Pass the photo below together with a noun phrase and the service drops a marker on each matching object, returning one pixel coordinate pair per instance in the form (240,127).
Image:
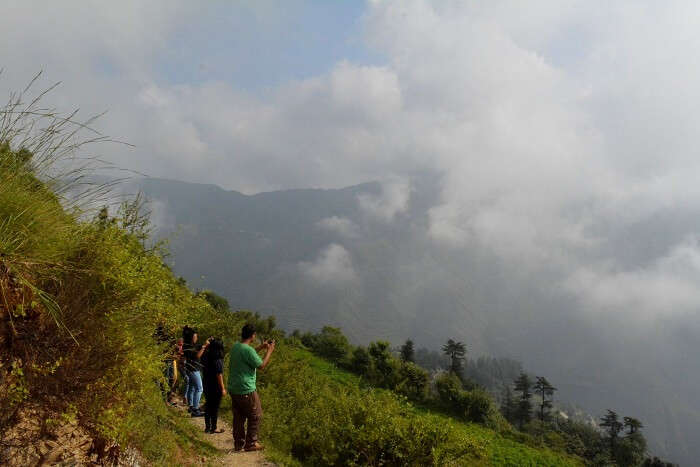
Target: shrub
(383,364)
(474,406)
(328,423)
(412,381)
(332,344)
(360,362)
(448,386)
(81,303)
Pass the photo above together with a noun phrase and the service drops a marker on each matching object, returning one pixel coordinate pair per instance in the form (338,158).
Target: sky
(564,133)
(557,128)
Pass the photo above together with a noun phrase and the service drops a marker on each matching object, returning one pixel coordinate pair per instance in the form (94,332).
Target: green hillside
(82,298)
(340,419)
(89,310)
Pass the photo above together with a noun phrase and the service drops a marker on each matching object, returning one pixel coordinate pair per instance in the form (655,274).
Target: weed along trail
(224,445)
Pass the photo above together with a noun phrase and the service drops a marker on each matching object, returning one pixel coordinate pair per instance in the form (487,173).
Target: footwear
(189,408)
(238,447)
(217,430)
(197,413)
(255,447)
(207,430)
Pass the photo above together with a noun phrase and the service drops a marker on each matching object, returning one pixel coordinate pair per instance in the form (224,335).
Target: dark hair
(247,331)
(188,334)
(215,349)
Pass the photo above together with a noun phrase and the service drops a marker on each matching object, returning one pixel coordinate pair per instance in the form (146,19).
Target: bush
(328,423)
(82,302)
(413,381)
(474,406)
(448,386)
(383,364)
(360,362)
(332,344)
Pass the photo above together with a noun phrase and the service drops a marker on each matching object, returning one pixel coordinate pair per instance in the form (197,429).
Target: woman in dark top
(213,369)
(193,352)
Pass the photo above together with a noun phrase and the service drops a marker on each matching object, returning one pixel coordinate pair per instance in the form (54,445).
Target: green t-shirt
(243,360)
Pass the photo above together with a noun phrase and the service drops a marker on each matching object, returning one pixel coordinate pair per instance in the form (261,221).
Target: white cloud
(333,266)
(668,285)
(393,199)
(340,225)
(551,130)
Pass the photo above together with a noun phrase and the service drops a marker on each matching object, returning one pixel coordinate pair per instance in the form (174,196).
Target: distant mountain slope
(349,257)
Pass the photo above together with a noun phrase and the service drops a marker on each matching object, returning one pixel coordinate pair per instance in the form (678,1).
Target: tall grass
(80,295)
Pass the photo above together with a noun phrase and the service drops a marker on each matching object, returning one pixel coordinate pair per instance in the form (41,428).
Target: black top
(192,363)
(212,367)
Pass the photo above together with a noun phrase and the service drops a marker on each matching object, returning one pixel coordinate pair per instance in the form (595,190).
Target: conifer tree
(545,390)
(407,351)
(508,404)
(613,427)
(456,351)
(633,425)
(523,412)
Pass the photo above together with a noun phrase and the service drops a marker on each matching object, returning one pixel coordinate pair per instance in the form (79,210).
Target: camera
(270,341)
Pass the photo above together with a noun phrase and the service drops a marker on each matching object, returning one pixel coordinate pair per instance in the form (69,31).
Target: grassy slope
(501,451)
(492,448)
(112,294)
(79,303)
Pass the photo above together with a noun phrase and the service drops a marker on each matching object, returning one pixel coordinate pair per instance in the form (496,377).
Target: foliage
(383,364)
(80,302)
(326,417)
(545,391)
(407,352)
(412,381)
(456,351)
(327,423)
(360,361)
(474,405)
(523,411)
(332,344)
(216,301)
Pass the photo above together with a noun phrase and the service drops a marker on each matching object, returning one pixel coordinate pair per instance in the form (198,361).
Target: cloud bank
(552,130)
(333,266)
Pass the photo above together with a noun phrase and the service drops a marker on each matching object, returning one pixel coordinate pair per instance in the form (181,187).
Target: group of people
(202,368)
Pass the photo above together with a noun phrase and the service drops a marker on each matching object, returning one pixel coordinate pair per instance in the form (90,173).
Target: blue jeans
(194,388)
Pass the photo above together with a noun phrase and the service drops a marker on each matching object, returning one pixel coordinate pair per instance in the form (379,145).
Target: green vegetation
(83,296)
(80,301)
(328,416)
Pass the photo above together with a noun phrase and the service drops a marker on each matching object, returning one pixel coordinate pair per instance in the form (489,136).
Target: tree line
(526,403)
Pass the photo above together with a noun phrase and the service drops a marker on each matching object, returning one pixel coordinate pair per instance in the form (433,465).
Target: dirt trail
(223,442)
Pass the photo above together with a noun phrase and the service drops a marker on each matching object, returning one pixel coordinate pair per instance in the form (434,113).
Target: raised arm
(204,347)
(266,359)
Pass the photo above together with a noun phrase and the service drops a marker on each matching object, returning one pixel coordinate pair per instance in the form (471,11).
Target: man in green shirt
(243,363)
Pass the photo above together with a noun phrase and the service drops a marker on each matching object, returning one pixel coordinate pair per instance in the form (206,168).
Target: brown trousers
(246,407)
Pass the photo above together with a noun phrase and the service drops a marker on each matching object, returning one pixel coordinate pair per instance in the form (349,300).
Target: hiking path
(223,442)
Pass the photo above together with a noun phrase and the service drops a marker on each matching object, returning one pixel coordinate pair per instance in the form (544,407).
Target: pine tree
(633,425)
(508,404)
(613,427)
(545,391)
(456,351)
(407,351)
(523,412)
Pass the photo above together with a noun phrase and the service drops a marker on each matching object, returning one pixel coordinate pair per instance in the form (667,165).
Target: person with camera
(193,366)
(244,362)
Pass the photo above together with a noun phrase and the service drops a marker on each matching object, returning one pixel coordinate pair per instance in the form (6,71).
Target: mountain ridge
(263,251)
